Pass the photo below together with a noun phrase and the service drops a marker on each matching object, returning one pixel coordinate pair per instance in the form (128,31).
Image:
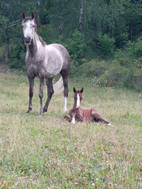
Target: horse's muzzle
(27,40)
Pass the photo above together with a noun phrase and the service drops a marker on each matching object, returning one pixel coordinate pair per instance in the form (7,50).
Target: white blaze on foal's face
(78,101)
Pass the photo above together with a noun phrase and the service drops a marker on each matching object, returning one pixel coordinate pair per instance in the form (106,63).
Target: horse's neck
(35,45)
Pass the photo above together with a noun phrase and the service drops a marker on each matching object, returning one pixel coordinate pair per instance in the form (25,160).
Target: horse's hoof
(65,110)
(28,111)
(44,110)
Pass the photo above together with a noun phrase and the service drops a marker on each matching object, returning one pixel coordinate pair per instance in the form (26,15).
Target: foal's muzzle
(27,40)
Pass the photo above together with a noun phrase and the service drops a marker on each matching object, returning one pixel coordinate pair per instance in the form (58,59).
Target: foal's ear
(32,15)
(23,16)
(82,90)
(74,90)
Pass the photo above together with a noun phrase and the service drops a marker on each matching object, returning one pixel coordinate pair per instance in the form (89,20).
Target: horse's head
(29,28)
(77,97)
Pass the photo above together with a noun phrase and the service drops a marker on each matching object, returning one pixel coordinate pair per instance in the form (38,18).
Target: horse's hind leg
(50,92)
(98,118)
(64,75)
(31,86)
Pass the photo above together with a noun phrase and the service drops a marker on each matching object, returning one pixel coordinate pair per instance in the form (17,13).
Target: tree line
(91,30)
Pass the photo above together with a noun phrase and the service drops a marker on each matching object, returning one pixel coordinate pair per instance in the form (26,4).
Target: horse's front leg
(31,86)
(41,94)
(50,92)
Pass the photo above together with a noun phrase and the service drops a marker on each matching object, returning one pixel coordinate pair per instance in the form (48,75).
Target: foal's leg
(31,86)
(50,93)
(64,117)
(98,118)
(72,116)
(65,74)
(41,94)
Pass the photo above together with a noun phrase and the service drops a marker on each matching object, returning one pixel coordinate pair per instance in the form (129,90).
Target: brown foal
(77,114)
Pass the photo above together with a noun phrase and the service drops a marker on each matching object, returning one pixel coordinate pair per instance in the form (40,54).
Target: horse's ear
(23,16)
(74,90)
(32,15)
(82,90)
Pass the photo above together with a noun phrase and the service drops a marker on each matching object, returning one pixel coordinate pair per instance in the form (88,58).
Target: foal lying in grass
(78,114)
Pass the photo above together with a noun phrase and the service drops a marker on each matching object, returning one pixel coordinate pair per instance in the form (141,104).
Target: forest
(103,37)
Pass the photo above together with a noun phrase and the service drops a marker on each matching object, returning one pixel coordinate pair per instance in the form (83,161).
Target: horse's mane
(42,41)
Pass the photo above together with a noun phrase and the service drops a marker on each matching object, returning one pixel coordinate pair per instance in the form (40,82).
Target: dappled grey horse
(45,62)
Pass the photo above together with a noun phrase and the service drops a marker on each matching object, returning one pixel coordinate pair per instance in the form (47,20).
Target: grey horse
(45,62)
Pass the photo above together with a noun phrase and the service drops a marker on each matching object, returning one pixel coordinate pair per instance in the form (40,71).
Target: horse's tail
(58,86)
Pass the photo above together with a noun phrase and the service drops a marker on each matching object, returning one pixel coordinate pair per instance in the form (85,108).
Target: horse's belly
(53,68)
(53,62)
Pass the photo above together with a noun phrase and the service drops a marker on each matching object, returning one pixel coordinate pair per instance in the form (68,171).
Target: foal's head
(29,27)
(77,97)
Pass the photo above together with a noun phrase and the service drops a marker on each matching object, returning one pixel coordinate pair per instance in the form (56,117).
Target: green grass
(45,153)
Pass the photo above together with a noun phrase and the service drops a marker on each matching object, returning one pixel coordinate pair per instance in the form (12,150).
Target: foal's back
(84,115)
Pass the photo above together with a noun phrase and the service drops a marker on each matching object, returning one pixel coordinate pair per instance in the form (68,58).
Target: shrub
(17,57)
(137,79)
(135,49)
(121,39)
(76,46)
(122,57)
(106,45)
(115,75)
(48,33)
(93,68)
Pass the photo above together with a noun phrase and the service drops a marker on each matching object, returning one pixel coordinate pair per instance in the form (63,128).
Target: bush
(116,75)
(106,45)
(121,39)
(137,79)
(122,57)
(135,49)
(93,68)
(48,33)
(17,57)
(76,47)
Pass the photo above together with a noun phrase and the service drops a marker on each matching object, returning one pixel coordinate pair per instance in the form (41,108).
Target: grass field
(44,153)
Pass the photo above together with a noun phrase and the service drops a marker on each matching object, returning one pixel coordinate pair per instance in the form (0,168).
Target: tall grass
(43,152)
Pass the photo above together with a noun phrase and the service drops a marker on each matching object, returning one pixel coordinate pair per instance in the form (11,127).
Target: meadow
(45,153)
